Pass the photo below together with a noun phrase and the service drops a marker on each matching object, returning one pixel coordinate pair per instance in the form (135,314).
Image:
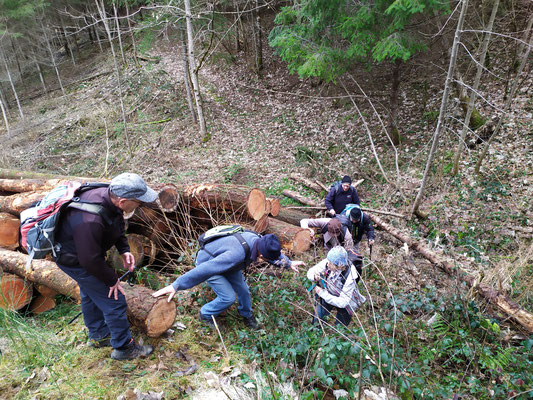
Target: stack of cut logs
(160,234)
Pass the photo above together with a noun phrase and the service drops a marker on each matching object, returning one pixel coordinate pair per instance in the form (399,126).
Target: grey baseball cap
(133,187)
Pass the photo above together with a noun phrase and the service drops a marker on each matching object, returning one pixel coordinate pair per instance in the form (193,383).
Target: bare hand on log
(128,260)
(295,264)
(113,290)
(169,289)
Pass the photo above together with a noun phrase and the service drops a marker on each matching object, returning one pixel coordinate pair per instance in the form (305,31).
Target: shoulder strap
(92,208)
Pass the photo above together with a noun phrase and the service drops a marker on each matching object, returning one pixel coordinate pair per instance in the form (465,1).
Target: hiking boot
(250,322)
(99,343)
(206,320)
(131,350)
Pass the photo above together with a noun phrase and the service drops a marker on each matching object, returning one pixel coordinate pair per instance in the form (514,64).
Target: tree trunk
(17,174)
(52,58)
(131,33)
(153,315)
(186,76)
(258,39)
(443,106)
(292,238)
(513,310)
(394,95)
(509,101)
(292,216)
(473,94)
(27,185)
(41,77)
(68,48)
(307,183)
(16,203)
(15,292)
(101,10)
(117,24)
(12,86)
(298,197)
(9,231)
(194,72)
(41,304)
(4,114)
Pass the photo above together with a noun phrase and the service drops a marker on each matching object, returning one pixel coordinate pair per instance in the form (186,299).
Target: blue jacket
(338,198)
(229,256)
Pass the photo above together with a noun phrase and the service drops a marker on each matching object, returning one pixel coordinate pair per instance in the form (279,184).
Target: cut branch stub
(256,204)
(15,292)
(9,231)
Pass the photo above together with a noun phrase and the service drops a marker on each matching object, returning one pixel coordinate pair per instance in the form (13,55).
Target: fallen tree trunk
(292,237)
(16,203)
(153,315)
(307,183)
(9,231)
(16,174)
(500,300)
(28,185)
(292,216)
(15,292)
(302,199)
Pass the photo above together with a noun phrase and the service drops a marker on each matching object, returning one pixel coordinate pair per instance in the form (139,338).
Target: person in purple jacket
(84,240)
(341,194)
(220,263)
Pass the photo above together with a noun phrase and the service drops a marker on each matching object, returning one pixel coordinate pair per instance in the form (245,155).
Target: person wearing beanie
(84,238)
(360,225)
(341,194)
(336,286)
(334,231)
(220,262)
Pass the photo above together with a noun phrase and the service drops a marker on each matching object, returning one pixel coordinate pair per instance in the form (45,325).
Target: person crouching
(336,287)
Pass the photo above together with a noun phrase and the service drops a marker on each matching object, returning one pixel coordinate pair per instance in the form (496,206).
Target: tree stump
(15,292)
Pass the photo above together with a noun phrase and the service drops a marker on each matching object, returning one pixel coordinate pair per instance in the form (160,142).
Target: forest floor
(264,128)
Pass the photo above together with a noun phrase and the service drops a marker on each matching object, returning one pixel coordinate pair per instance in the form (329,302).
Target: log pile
(159,235)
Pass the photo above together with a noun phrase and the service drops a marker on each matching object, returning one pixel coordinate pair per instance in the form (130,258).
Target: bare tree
(443,106)
(131,33)
(523,61)
(12,84)
(4,113)
(186,76)
(194,71)
(258,38)
(52,58)
(101,10)
(117,24)
(473,94)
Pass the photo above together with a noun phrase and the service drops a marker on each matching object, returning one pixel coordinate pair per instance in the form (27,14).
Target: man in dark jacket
(220,263)
(85,239)
(341,195)
(360,224)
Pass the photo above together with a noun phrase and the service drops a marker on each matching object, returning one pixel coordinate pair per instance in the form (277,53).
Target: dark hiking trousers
(103,316)
(323,309)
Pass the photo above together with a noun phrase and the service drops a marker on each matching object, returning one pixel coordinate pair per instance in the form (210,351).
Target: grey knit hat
(338,256)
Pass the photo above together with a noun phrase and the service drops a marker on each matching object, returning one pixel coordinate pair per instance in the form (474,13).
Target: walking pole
(77,316)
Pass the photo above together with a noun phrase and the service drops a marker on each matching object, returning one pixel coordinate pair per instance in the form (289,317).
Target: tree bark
(307,183)
(473,94)
(15,292)
(500,300)
(27,185)
(394,95)
(258,39)
(292,216)
(194,71)
(443,106)
(153,315)
(4,115)
(292,238)
(302,199)
(9,231)
(187,76)
(16,203)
